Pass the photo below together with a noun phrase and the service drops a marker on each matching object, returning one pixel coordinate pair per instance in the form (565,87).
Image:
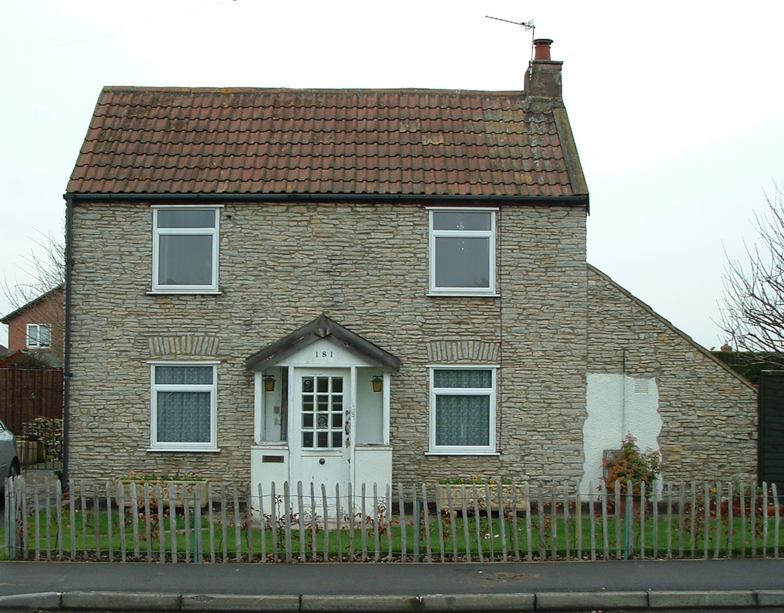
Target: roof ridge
(306,90)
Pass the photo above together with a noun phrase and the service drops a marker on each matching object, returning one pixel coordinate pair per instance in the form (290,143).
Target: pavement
(674,585)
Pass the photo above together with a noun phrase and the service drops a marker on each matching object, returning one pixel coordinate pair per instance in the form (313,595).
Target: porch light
(269,383)
(378,383)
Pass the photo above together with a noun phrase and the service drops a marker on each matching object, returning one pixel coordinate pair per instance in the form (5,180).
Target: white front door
(321,438)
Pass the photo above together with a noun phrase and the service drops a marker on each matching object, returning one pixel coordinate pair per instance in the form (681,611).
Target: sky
(676,108)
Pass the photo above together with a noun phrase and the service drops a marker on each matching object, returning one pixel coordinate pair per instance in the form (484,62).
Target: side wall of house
(707,415)
(366,267)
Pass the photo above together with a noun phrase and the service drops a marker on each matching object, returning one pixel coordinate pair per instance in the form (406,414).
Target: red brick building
(38,326)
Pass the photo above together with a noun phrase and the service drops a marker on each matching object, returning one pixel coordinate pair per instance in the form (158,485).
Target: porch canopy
(323,328)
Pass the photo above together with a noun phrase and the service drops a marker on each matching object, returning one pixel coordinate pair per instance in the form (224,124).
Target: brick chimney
(543,79)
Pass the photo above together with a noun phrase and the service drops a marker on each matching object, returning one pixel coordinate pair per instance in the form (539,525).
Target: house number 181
(323,354)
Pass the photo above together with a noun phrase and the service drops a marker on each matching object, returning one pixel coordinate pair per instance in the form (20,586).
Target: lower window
(462,410)
(184,406)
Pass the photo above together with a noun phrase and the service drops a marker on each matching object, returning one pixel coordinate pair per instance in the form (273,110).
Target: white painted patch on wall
(617,405)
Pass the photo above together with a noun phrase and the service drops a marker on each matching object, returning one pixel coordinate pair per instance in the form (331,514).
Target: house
(37,327)
(351,286)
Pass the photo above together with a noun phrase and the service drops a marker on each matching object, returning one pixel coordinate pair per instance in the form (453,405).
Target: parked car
(9,457)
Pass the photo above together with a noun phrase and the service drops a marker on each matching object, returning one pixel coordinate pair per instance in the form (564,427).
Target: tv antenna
(528,25)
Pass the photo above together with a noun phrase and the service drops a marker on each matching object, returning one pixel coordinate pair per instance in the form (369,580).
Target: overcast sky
(676,106)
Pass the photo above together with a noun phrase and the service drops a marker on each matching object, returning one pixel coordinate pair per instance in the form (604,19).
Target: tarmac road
(396,579)
(704,585)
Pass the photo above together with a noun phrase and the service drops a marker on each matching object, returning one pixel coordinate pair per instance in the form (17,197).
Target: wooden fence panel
(28,393)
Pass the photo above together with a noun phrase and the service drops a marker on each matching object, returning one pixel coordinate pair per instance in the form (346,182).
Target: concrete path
(740,585)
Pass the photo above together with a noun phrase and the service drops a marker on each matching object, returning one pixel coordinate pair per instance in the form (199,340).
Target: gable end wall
(709,414)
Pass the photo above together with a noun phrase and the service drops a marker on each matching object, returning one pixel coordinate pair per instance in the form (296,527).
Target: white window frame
(488,234)
(490,392)
(212,287)
(37,344)
(212,445)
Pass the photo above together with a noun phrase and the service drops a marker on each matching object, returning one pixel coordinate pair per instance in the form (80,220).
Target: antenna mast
(528,25)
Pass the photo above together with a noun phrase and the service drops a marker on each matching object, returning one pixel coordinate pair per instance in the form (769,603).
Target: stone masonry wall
(365,266)
(709,413)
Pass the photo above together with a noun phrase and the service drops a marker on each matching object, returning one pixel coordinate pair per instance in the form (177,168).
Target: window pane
(45,336)
(463,421)
(462,262)
(183,417)
(458,220)
(32,335)
(185,260)
(186,219)
(184,375)
(463,378)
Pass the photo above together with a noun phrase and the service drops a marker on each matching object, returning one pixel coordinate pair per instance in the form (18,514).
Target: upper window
(39,336)
(462,410)
(184,407)
(185,249)
(462,251)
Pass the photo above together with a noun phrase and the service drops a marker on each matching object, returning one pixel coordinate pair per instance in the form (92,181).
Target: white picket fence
(469,522)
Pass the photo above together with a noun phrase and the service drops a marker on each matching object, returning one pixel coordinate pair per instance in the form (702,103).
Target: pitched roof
(324,142)
(43,297)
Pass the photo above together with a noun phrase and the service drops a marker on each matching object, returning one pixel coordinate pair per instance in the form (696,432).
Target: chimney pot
(542,49)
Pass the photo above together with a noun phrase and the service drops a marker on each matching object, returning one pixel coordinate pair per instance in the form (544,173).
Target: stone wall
(366,267)
(709,413)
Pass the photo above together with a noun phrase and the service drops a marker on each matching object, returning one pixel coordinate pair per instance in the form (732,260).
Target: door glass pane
(325,395)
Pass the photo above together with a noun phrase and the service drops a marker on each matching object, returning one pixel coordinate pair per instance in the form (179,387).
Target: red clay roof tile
(266,141)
